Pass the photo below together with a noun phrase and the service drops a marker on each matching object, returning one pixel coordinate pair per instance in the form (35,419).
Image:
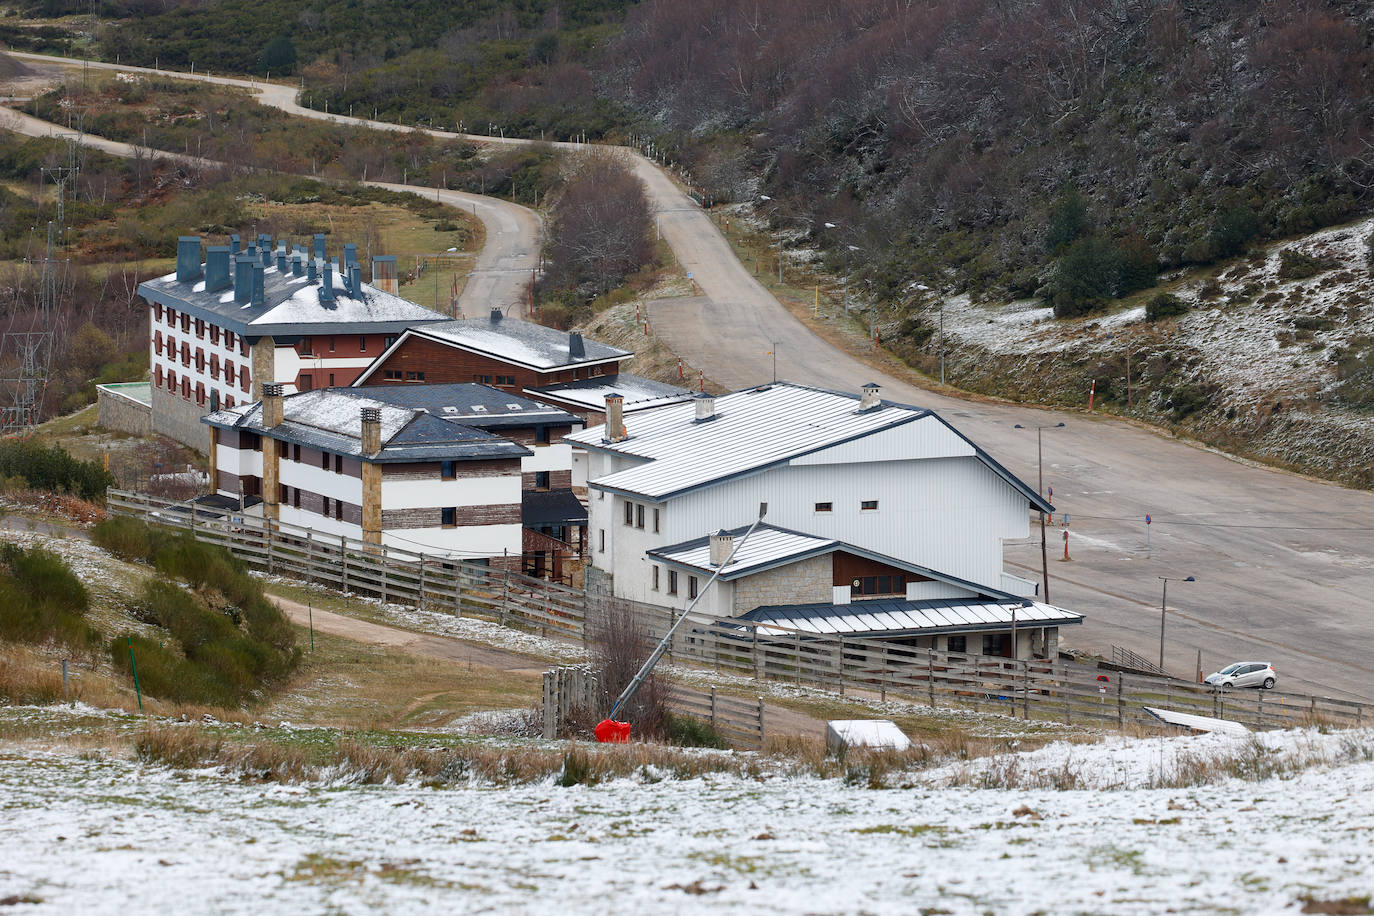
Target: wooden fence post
(930,677)
(713,707)
(763,734)
(505,588)
(1120,712)
(343,558)
(1025,688)
(759,669)
(420,600)
(309,556)
(839,663)
(385,564)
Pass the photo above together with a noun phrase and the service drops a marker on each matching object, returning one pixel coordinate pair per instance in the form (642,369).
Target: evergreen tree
(1069,221)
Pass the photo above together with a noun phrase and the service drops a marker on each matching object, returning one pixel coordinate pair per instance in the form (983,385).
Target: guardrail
(1046,689)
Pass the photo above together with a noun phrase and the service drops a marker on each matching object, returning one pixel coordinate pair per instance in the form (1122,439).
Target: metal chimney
(319,244)
(576,348)
(327,282)
(355,280)
(217,268)
(259,292)
(310,272)
(384,274)
(281,260)
(234,244)
(495,315)
(188,258)
(706,407)
(243,277)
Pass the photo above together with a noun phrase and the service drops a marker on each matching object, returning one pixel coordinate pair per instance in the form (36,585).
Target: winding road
(1284,564)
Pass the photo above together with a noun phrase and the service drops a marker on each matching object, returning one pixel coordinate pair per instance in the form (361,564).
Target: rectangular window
(157,310)
(157,374)
(362,344)
(157,342)
(629,512)
(391,375)
(415,376)
(185,323)
(390,339)
(331,345)
(214,334)
(186,388)
(244,382)
(601,541)
(958,644)
(200,359)
(541,480)
(243,346)
(639,516)
(295,451)
(481,379)
(324,461)
(326,506)
(200,328)
(655,578)
(691,586)
(338,464)
(307,346)
(541,435)
(672,581)
(229,340)
(868,505)
(214,364)
(824,507)
(185,353)
(448,469)
(172,317)
(282,493)
(655,521)
(331,380)
(505,380)
(296,498)
(449,517)
(338,509)
(995,643)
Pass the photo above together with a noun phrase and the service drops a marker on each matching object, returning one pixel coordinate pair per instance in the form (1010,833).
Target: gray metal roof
(520,343)
(291,306)
(752,429)
(551,507)
(891,617)
(770,547)
(331,419)
(590,393)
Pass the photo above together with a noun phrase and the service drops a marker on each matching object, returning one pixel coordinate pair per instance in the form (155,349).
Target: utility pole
(1040,491)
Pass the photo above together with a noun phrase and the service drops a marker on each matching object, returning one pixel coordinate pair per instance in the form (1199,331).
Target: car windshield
(1232,669)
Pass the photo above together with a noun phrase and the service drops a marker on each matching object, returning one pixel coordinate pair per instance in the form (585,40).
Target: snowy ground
(99,835)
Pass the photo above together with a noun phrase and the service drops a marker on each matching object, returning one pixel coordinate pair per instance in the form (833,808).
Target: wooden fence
(1068,692)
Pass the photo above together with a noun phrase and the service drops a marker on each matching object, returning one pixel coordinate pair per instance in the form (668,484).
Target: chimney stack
(297,265)
(870,397)
(272,404)
(234,244)
(243,278)
(319,245)
(722,542)
(495,315)
(327,282)
(384,274)
(310,270)
(706,407)
(188,258)
(259,292)
(372,430)
(355,280)
(217,276)
(615,418)
(350,255)
(281,260)
(576,348)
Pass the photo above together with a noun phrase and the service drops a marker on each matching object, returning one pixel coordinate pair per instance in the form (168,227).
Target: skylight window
(514,407)
(478,408)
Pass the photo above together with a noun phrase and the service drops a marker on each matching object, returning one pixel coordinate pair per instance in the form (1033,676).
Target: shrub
(1085,278)
(126,538)
(1164,305)
(688,732)
(41,600)
(1297,265)
(53,469)
(1232,230)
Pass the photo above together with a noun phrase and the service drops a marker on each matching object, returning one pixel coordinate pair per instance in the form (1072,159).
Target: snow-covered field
(100,835)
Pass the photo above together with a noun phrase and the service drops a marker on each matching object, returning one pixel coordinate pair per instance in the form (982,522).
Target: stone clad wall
(179,419)
(126,415)
(806,582)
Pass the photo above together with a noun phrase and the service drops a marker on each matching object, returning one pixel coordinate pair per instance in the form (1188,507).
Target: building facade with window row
(264,313)
(440,469)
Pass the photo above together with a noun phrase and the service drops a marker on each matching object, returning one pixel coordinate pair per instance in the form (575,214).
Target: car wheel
(1269,683)
(1227,685)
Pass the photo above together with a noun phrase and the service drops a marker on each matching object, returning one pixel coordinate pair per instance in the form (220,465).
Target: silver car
(1244,674)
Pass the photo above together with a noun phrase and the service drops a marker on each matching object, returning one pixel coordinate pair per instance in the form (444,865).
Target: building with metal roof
(868,503)
(264,313)
(443,469)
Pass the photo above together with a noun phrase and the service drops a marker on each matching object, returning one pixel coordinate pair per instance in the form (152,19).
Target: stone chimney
(722,542)
(272,404)
(706,407)
(615,418)
(372,430)
(870,397)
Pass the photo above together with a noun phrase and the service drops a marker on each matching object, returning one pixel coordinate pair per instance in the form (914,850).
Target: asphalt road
(1284,564)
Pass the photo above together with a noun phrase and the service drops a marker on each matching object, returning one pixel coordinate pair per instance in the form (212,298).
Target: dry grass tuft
(182,746)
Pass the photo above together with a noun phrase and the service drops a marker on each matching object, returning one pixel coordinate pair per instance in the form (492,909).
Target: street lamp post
(1163,604)
(1040,489)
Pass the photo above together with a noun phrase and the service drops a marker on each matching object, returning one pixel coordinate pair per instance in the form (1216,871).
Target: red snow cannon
(609,731)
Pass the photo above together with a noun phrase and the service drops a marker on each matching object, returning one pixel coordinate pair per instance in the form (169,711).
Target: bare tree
(600,227)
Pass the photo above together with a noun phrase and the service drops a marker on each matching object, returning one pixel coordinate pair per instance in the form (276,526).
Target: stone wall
(115,411)
(179,419)
(806,582)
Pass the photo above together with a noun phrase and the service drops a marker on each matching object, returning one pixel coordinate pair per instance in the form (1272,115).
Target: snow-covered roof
(750,430)
(899,617)
(520,343)
(590,394)
(291,305)
(418,423)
